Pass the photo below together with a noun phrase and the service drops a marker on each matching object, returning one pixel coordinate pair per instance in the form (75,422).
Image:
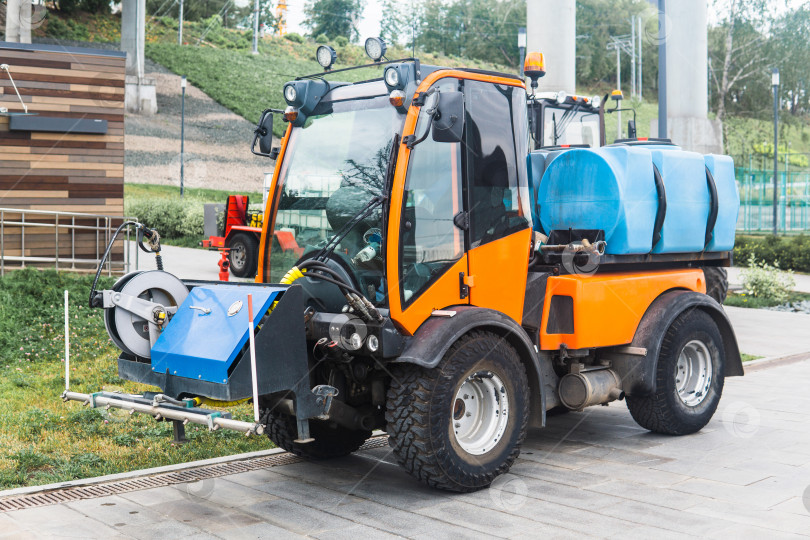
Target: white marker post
(67,343)
(253,360)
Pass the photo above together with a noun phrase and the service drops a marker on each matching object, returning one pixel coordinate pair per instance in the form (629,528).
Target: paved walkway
(590,474)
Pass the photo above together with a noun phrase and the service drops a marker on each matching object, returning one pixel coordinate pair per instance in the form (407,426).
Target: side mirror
(448,122)
(631,129)
(264,135)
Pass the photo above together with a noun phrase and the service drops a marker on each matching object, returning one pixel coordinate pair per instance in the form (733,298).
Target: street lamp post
(522,46)
(256,27)
(182,129)
(775,83)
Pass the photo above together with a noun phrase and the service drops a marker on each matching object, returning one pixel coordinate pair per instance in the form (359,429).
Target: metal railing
(756,201)
(95,227)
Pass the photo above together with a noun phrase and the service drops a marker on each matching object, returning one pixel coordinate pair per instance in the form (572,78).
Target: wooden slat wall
(58,171)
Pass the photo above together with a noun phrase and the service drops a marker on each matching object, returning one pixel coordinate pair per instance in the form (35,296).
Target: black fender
(637,371)
(437,334)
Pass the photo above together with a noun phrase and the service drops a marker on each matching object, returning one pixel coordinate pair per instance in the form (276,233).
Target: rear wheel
(331,440)
(716,282)
(460,425)
(689,378)
(243,254)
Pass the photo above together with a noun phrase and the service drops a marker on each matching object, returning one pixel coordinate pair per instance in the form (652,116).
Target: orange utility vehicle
(426,301)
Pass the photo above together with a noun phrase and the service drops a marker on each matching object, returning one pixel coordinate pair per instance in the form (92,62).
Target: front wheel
(331,440)
(460,425)
(689,378)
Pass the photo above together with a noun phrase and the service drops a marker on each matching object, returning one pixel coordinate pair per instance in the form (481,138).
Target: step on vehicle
(456,279)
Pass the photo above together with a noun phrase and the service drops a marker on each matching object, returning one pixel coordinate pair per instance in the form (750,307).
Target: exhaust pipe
(593,387)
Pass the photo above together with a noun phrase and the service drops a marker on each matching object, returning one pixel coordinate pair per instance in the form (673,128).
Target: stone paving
(589,474)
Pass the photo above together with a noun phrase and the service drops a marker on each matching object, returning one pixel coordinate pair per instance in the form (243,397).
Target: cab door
(496,136)
(430,261)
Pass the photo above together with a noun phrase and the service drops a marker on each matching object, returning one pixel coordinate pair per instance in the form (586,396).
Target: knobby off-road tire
(716,282)
(243,255)
(693,335)
(426,408)
(331,440)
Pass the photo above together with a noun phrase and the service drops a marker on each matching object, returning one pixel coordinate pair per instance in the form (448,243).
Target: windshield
(569,126)
(334,165)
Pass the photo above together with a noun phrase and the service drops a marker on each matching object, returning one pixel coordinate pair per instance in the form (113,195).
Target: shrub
(793,252)
(68,6)
(295,38)
(341,41)
(70,30)
(322,38)
(95,6)
(172,218)
(763,280)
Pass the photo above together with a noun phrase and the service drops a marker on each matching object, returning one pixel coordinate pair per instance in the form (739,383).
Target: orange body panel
(439,295)
(263,274)
(498,274)
(609,307)
(442,293)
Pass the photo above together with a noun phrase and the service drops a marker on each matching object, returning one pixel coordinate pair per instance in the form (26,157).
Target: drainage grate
(160,480)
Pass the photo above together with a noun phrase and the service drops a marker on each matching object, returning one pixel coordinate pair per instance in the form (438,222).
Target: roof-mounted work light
(375,48)
(326,56)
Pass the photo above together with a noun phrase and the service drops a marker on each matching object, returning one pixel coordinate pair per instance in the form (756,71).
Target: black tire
(331,440)
(716,282)
(420,414)
(664,411)
(243,254)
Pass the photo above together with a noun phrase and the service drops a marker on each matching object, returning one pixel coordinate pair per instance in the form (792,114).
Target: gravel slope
(217,153)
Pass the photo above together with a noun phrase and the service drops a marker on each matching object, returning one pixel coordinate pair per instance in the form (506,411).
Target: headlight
(392,77)
(596,101)
(290,94)
(561,97)
(326,56)
(375,48)
(373,343)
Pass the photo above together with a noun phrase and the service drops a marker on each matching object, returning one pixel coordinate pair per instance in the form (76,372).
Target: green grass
(44,440)
(748,301)
(191,194)
(749,357)
(247,83)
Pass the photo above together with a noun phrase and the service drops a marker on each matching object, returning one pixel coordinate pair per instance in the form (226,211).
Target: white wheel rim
(480,413)
(238,256)
(694,373)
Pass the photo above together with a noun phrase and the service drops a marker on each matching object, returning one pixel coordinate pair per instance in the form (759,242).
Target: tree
(791,44)
(392,22)
(738,52)
(333,18)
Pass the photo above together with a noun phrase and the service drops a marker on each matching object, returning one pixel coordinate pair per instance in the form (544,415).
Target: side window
(430,242)
(492,164)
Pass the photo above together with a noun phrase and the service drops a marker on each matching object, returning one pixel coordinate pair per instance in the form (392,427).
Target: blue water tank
(614,189)
(722,169)
(688,201)
(609,188)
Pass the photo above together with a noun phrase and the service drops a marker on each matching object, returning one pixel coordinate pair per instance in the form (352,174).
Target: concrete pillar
(18,21)
(140,95)
(551,28)
(687,78)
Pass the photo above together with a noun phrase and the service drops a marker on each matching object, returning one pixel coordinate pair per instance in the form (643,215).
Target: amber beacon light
(534,67)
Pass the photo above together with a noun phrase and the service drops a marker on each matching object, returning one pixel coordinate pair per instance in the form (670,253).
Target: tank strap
(710,222)
(662,207)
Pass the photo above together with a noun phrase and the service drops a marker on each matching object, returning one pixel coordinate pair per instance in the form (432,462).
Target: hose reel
(137,308)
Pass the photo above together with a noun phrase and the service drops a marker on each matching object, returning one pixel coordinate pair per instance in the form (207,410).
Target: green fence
(756,201)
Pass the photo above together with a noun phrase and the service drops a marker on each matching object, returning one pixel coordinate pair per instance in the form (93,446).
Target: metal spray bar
(139,404)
